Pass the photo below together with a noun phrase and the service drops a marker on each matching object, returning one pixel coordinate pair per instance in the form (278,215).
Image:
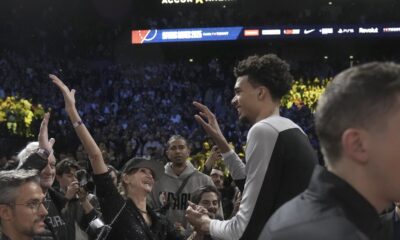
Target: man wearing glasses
(56,226)
(22,212)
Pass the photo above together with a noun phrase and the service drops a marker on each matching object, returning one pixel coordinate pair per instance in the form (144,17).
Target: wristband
(43,153)
(77,124)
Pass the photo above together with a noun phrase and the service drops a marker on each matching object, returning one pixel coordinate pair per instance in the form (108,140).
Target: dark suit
(389,223)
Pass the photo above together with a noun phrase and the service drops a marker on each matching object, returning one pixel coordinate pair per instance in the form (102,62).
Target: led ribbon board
(244,33)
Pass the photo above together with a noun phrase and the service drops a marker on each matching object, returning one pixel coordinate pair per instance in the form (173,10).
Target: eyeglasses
(34,205)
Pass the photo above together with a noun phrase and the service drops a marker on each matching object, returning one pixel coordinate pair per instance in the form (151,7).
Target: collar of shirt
(396,217)
(356,208)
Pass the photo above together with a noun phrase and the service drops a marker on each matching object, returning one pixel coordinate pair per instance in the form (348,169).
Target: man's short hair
(176,137)
(196,196)
(26,152)
(65,166)
(217,171)
(356,98)
(269,71)
(11,180)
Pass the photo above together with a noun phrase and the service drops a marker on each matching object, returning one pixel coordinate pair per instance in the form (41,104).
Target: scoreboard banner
(186,35)
(260,33)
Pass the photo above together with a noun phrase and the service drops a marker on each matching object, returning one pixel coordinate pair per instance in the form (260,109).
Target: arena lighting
(240,33)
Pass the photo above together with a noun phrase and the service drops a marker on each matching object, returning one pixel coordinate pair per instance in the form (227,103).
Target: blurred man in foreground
(22,212)
(357,122)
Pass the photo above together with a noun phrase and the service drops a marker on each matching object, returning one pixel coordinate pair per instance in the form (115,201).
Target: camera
(84,180)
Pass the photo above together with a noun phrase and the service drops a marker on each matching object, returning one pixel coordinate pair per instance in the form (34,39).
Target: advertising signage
(186,35)
(191,2)
(259,33)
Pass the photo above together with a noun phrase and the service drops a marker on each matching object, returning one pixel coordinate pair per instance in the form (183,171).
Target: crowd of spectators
(253,13)
(131,109)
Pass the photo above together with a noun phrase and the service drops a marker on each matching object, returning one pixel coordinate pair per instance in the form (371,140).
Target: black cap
(138,162)
(65,165)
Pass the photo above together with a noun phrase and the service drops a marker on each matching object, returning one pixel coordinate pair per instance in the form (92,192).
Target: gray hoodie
(166,187)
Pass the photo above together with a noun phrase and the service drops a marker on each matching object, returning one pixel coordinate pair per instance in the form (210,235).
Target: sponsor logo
(251,32)
(345,30)
(140,36)
(291,31)
(308,31)
(170,201)
(169,35)
(211,34)
(176,1)
(271,32)
(55,221)
(217,0)
(391,29)
(368,30)
(180,2)
(326,31)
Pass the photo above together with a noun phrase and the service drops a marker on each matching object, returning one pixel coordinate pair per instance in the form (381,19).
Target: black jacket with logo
(330,209)
(56,227)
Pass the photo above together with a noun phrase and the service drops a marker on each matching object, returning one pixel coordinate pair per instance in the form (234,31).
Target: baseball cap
(65,165)
(138,162)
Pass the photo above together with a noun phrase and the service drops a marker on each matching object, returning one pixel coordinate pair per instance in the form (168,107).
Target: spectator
(357,123)
(213,158)
(209,198)
(217,177)
(22,210)
(180,180)
(128,216)
(56,227)
(118,128)
(82,207)
(227,190)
